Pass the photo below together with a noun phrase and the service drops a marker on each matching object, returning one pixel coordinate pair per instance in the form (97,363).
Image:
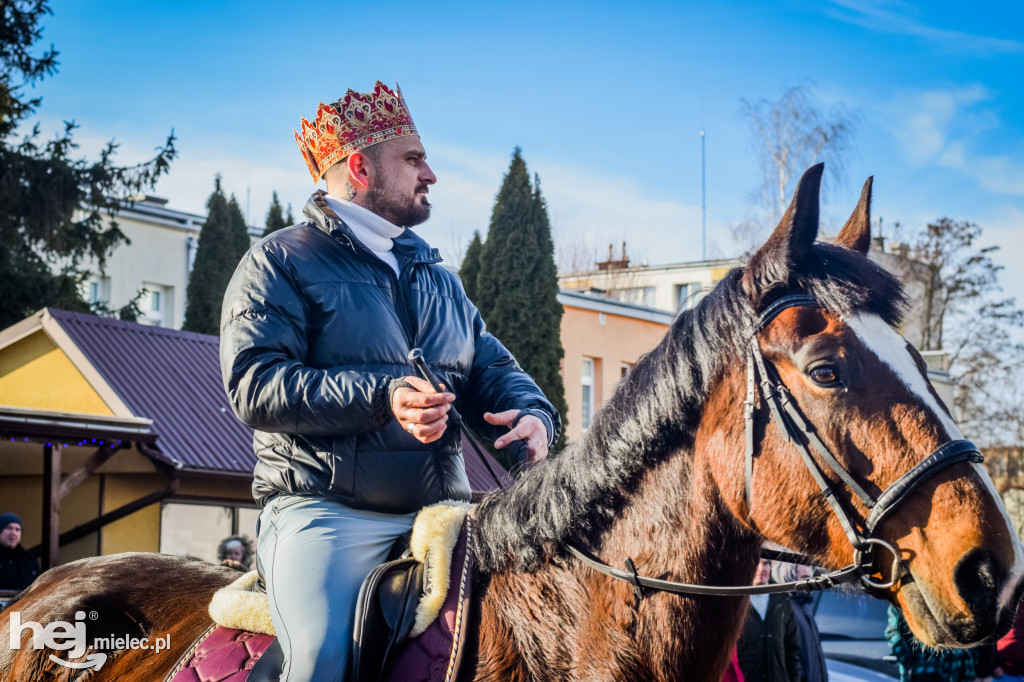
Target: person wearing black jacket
(769,646)
(812,657)
(18,568)
(316,329)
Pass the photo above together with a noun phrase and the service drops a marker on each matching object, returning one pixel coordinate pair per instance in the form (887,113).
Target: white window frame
(587,389)
(156,316)
(686,295)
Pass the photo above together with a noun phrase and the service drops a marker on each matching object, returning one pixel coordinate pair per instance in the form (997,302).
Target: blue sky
(607,103)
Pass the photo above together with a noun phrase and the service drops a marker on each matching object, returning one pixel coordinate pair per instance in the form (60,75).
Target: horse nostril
(978,577)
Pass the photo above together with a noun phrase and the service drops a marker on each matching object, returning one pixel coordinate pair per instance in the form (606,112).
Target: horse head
(865,394)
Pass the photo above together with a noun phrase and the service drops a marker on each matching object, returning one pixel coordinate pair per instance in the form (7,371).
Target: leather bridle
(764,380)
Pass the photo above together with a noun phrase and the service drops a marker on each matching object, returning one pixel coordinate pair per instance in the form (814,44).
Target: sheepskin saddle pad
(417,602)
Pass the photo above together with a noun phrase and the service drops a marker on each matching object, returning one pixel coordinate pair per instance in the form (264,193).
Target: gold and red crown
(353,123)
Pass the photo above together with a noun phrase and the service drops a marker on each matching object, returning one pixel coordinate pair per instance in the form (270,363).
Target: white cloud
(922,120)
(589,209)
(902,18)
(943,128)
(1001,174)
(191,178)
(1004,226)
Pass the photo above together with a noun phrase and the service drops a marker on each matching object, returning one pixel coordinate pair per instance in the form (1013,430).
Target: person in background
(769,646)
(235,551)
(918,663)
(812,658)
(18,568)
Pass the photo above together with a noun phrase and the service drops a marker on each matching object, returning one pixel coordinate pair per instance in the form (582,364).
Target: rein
(763,380)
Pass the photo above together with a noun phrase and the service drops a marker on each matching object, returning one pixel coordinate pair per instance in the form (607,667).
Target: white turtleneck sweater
(372,231)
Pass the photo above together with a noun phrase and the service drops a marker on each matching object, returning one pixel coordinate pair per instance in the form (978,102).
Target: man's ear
(358,170)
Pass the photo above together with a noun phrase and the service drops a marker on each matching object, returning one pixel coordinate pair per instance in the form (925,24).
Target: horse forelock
(655,410)
(848,284)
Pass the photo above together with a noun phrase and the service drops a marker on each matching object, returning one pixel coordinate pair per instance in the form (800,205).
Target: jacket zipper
(406,317)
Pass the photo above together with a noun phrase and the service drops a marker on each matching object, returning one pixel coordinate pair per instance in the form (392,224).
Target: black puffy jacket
(768,649)
(18,568)
(313,329)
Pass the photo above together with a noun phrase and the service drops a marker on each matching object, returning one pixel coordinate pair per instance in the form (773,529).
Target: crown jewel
(353,123)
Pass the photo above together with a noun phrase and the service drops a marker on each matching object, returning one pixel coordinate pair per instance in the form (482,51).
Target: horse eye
(824,375)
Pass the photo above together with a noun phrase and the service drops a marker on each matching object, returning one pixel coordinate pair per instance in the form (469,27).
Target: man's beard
(384,199)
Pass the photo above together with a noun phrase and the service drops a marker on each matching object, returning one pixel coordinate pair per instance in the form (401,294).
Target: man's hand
(422,412)
(529,429)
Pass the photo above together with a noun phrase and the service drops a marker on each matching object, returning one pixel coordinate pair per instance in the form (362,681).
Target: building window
(587,383)
(191,246)
(687,295)
(155,304)
(96,290)
(637,295)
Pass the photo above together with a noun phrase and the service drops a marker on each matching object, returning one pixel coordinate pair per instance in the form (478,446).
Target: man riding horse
(317,325)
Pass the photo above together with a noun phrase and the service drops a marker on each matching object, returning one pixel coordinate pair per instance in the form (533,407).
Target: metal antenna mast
(703,205)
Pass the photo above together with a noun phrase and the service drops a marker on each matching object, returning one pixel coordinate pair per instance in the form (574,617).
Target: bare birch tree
(960,309)
(789,136)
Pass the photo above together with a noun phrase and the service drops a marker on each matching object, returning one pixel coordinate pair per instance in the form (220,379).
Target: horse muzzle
(986,596)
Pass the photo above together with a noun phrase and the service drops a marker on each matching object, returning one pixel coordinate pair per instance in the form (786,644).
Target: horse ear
(856,233)
(791,241)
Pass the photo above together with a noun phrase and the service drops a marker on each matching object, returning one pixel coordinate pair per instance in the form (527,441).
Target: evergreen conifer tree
(470,270)
(289,219)
(223,241)
(275,216)
(517,284)
(239,236)
(56,209)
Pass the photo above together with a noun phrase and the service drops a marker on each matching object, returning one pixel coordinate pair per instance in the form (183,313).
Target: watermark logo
(71,637)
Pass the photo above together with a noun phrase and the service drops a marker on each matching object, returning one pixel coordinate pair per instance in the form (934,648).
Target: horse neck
(653,415)
(679,529)
(676,525)
(565,617)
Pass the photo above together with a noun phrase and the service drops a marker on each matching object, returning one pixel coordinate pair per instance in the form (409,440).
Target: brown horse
(660,477)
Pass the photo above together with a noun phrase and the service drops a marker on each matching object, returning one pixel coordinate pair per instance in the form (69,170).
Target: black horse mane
(655,411)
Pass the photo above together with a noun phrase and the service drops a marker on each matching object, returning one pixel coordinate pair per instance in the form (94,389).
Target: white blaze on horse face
(891,348)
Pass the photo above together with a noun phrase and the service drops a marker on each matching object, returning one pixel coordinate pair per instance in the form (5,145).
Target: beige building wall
(158,259)
(608,337)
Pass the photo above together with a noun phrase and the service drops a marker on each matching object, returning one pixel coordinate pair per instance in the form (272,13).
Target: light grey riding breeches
(313,555)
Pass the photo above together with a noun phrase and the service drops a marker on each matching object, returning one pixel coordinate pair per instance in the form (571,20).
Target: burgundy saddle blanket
(224,654)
